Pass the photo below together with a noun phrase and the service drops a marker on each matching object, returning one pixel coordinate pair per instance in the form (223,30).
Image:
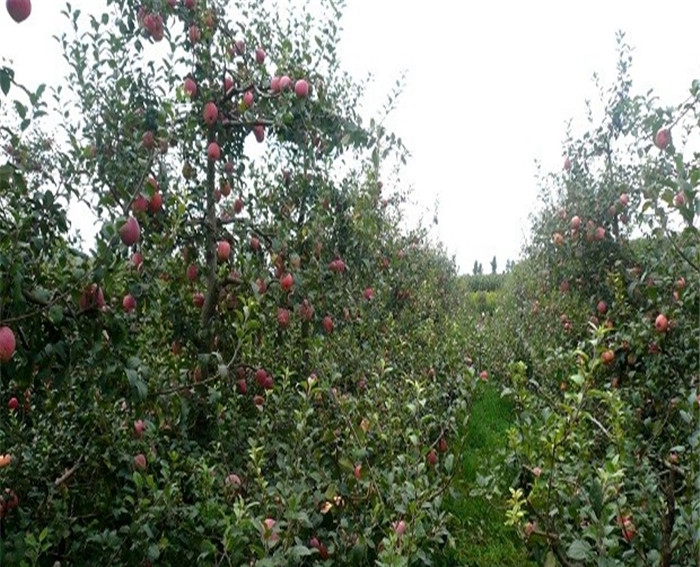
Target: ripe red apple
(607,357)
(239,47)
(13,404)
(194,34)
(624,199)
(140,204)
(283,317)
(369,293)
(576,222)
(137,259)
(286,282)
(337,265)
(602,307)
(275,84)
(248,99)
(260,55)
(192,272)
(261,376)
(226,189)
(357,471)
(19,10)
(285,82)
(661,323)
(140,462)
(267,526)
(255,243)
(306,311)
(210,113)
(242,386)
(198,299)
(328,324)
(662,138)
(442,445)
(233,480)
(139,427)
(189,4)
(130,231)
(261,285)
(432,457)
(213,151)
(301,88)
(679,199)
(129,303)
(156,203)
(148,140)
(484,375)
(238,205)
(567,164)
(8,344)
(259,133)
(399,527)
(223,250)
(680,283)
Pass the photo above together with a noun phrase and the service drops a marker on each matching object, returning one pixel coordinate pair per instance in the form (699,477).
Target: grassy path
(482,538)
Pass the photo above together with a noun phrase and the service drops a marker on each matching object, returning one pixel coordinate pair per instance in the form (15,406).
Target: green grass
(482,538)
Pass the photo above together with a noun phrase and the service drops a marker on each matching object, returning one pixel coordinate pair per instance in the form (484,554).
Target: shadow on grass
(481,536)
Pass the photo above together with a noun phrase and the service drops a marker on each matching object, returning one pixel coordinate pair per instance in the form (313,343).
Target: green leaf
(6,76)
(579,550)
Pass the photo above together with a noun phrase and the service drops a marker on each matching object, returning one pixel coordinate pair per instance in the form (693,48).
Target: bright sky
(490,86)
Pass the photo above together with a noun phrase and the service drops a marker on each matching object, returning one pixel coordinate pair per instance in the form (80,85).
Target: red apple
(130,231)
(484,375)
(223,250)
(275,84)
(301,88)
(192,272)
(137,259)
(19,10)
(558,239)
(624,199)
(139,427)
(661,323)
(238,205)
(567,164)
(357,471)
(248,99)
(283,317)
(194,34)
(198,299)
(129,303)
(602,307)
(285,82)
(369,293)
(140,462)
(13,404)
(139,204)
(148,140)
(328,324)
(662,138)
(399,527)
(607,357)
(255,243)
(213,151)
(242,386)
(432,457)
(286,282)
(8,344)
(210,113)
(156,203)
(260,55)
(576,222)
(442,445)
(259,133)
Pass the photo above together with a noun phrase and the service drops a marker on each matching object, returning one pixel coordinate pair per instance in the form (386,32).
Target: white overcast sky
(490,86)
